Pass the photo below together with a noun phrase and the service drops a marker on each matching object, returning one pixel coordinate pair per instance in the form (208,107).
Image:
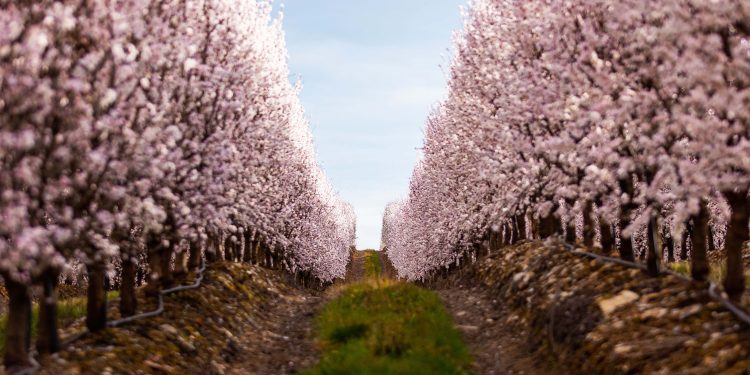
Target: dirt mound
(243,319)
(601,318)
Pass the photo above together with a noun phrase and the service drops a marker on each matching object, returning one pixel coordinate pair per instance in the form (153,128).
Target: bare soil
(498,344)
(288,345)
(357,267)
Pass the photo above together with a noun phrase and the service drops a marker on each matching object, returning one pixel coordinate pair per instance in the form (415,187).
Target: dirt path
(285,342)
(497,345)
(357,270)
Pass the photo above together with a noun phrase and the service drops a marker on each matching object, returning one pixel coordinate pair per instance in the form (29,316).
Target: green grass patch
(372,264)
(68,311)
(716,274)
(388,328)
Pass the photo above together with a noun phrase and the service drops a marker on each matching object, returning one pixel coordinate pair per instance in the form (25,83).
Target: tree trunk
(211,251)
(535,228)
(256,252)
(669,247)
(549,226)
(570,232)
(521,220)
(128,301)
(652,248)
(626,249)
(153,286)
(737,234)
(494,242)
(167,277)
(48,339)
(626,242)
(686,234)
(244,246)
(698,261)
(589,232)
(194,261)
(96,305)
(18,326)
(711,244)
(606,235)
(180,263)
(220,250)
(514,230)
(247,251)
(227,248)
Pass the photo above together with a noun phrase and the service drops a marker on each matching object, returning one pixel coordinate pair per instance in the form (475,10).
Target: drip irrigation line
(713,289)
(736,310)
(35,366)
(120,322)
(160,305)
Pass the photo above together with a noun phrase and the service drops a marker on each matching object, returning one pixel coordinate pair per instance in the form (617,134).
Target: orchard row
(145,135)
(624,125)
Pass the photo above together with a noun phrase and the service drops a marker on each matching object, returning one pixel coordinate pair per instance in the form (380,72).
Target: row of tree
(145,135)
(624,125)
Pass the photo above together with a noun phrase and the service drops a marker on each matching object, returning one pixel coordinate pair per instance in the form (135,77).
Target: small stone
(185,345)
(622,348)
(654,313)
(689,311)
(168,329)
(227,333)
(624,298)
(158,366)
(468,328)
(461,313)
(521,279)
(217,368)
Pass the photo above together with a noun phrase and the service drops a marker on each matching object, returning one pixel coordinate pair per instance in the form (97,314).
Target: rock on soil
(602,318)
(242,320)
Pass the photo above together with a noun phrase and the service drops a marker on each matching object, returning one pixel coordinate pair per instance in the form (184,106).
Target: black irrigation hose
(739,312)
(160,305)
(713,292)
(35,366)
(159,310)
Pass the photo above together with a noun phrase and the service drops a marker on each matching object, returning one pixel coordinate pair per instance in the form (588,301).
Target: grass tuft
(716,274)
(372,264)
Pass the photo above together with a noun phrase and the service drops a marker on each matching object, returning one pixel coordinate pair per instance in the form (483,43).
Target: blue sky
(372,70)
